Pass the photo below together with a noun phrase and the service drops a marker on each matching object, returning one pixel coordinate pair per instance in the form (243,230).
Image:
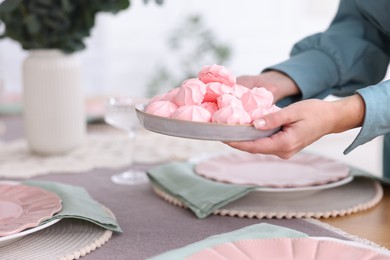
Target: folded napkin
(202,195)
(250,232)
(10,109)
(77,203)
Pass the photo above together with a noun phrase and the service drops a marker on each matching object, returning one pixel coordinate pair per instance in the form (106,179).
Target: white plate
(12,238)
(199,130)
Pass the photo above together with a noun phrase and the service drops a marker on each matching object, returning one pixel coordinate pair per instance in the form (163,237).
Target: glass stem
(131,135)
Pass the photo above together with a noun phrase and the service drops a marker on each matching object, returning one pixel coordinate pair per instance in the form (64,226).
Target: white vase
(53,103)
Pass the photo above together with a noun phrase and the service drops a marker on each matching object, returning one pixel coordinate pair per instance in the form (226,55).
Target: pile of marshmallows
(213,97)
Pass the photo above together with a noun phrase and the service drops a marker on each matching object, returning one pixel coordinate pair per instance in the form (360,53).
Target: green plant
(194,45)
(53,24)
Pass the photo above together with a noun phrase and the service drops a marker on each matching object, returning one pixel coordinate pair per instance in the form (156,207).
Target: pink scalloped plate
(302,170)
(23,207)
(312,248)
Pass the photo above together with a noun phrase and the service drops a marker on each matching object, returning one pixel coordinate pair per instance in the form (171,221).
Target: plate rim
(27,231)
(319,187)
(252,134)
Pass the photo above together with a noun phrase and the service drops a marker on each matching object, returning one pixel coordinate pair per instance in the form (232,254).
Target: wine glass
(120,113)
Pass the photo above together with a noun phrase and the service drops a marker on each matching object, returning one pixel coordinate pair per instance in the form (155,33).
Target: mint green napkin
(250,232)
(10,109)
(201,195)
(77,203)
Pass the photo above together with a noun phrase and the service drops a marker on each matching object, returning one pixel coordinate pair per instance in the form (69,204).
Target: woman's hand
(303,123)
(278,83)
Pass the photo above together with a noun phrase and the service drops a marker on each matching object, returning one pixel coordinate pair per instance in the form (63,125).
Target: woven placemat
(358,195)
(68,239)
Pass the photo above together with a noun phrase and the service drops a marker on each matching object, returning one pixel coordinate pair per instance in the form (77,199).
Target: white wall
(124,49)
(366,157)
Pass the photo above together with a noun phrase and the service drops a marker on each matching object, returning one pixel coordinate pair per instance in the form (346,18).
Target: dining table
(152,226)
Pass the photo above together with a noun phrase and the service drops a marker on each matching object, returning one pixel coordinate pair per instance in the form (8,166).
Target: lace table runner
(152,148)
(101,150)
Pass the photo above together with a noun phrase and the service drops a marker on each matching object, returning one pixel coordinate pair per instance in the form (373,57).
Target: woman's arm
(352,53)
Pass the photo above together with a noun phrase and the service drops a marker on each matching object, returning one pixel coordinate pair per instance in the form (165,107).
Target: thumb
(271,121)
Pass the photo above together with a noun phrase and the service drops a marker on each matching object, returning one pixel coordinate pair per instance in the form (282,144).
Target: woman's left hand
(303,123)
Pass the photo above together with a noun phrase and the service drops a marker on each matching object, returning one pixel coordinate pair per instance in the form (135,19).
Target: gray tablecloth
(151,226)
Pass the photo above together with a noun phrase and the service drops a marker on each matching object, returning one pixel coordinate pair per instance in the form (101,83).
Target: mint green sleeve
(352,53)
(377,117)
(350,57)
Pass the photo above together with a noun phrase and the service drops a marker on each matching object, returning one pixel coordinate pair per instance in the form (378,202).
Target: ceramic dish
(310,248)
(198,130)
(23,206)
(268,171)
(12,238)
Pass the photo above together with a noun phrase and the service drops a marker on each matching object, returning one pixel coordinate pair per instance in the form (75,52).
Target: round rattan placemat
(68,239)
(358,195)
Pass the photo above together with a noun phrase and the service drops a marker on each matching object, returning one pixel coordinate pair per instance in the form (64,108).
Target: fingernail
(259,123)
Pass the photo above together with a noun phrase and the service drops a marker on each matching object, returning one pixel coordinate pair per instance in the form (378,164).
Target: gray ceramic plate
(198,130)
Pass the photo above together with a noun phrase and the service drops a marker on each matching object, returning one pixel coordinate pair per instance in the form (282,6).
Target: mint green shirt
(351,56)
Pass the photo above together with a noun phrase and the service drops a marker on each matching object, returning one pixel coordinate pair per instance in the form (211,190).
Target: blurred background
(126,51)
(149,48)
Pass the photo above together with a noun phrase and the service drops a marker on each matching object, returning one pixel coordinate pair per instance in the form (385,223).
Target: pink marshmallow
(210,106)
(191,92)
(214,90)
(256,113)
(228,100)
(260,112)
(257,98)
(161,108)
(213,97)
(238,90)
(192,113)
(170,96)
(217,73)
(231,115)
